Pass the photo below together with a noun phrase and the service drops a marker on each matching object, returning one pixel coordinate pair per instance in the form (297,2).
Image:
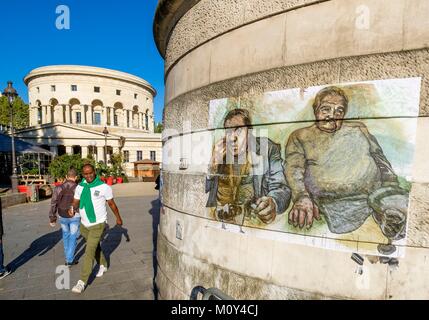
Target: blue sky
(103,33)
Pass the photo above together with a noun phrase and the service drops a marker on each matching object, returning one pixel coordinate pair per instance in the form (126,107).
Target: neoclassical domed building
(71,105)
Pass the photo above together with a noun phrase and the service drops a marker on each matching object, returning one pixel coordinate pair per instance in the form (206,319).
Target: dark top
(55,199)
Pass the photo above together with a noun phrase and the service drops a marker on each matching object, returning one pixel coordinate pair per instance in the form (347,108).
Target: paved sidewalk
(36,250)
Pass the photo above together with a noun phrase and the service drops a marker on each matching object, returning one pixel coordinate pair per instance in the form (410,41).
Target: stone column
(112,116)
(69,150)
(140,121)
(48,114)
(151,123)
(31,116)
(43,114)
(125,115)
(100,152)
(35,116)
(83,111)
(90,115)
(68,118)
(54,150)
(84,151)
(104,116)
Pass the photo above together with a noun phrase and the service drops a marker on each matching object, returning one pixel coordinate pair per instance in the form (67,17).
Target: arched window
(76,110)
(57,110)
(119,113)
(97,107)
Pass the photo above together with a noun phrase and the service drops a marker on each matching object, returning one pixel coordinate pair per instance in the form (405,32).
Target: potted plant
(102,170)
(117,169)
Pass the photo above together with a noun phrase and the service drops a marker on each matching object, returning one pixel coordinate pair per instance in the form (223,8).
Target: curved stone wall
(209,18)
(215,52)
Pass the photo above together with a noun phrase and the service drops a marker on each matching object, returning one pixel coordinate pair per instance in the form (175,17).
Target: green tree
(20,113)
(158,128)
(60,165)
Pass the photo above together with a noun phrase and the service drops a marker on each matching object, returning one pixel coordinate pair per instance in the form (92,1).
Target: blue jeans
(2,269)
(70,227)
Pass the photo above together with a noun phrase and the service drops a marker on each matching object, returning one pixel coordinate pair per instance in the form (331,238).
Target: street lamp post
(10,93)
(105,132)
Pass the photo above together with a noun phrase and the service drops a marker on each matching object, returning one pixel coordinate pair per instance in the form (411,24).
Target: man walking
(61,202)
(90,199)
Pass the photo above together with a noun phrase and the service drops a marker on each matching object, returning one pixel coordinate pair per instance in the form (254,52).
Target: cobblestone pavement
(36,250)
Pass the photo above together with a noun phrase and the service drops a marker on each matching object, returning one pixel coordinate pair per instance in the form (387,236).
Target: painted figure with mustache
(337,168)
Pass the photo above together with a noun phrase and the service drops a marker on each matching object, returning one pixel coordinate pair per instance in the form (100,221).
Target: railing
(31,179)
(209,294)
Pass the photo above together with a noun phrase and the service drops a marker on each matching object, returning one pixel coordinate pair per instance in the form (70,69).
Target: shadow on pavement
(38,247)
(112,239)
(155,212)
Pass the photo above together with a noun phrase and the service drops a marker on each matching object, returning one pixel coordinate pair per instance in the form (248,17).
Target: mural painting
(328,166)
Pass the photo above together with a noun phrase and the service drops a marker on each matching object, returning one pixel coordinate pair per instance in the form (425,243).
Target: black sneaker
(5,273)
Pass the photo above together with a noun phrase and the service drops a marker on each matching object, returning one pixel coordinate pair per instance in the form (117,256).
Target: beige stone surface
(186,76)
(411,279)
(209,18)
(300,267)
(384,32)
(261,47)
(322,31)
(418,219)
(366,68)
(311,33)
(416,24)
(202,23)
(179,273)
(326,272)
(257,9)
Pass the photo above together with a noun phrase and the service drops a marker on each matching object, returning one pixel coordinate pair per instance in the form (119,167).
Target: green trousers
(93,251)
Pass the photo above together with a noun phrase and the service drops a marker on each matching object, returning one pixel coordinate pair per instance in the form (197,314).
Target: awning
(20,146)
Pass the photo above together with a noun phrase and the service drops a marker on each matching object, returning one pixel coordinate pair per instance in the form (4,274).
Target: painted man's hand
(266,209)
(303,212)
(52,224)
(119,221)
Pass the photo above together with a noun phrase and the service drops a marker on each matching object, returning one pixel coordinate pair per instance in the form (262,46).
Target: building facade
(274,59)
(71,105)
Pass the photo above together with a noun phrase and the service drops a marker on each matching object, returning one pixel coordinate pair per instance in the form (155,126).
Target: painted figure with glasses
(246,176)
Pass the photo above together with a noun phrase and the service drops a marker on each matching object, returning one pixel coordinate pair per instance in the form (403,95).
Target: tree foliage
(158,127)
(60,165)
(20,113)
